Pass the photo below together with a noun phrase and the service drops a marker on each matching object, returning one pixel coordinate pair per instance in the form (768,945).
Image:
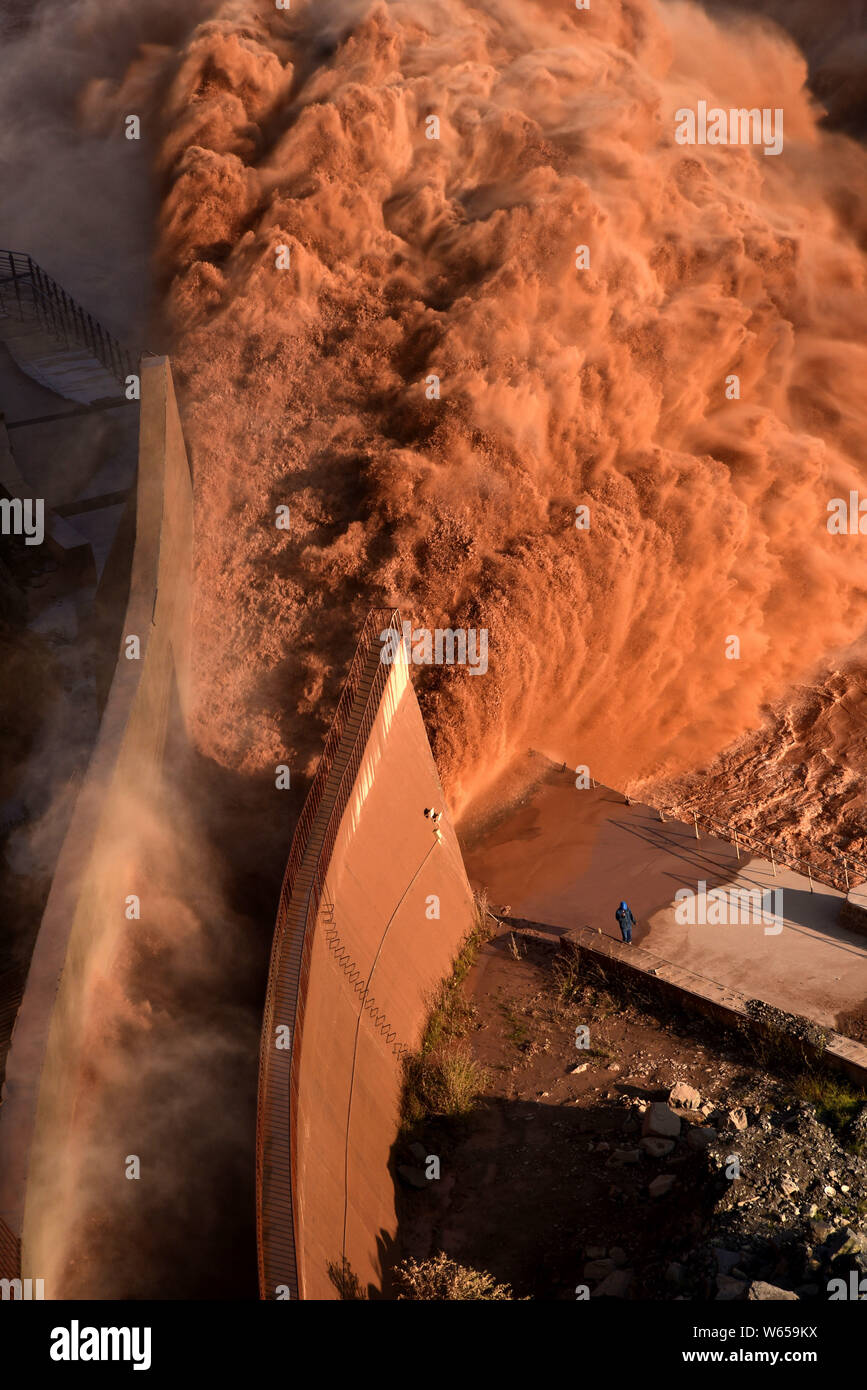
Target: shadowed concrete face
(80,935)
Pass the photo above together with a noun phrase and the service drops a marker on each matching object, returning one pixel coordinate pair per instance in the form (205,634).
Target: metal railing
(377,620)
(848,870)
(10,1253)
(289,969)
(29,295)
(842,875)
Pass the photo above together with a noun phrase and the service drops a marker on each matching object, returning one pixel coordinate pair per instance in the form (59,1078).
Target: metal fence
(848,870)
(291,951)
(29,295)
(845,872)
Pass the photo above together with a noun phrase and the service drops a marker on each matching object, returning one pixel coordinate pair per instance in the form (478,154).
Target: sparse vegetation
(798,1127)
(516,949)
(567,972)
(835,1100)
(443,1078)
(517,1029)
(442,1279)
(441,1083)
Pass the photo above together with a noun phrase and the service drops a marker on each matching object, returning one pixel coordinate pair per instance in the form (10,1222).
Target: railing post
(695,819)
(80,315)
(773,863)
(810,877)
(56,317)
(45,298)
(15,279)
(36,291)
(61,299)
(72,315)
(105,346)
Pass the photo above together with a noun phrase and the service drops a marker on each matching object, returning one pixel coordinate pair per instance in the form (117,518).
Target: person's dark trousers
(626,932)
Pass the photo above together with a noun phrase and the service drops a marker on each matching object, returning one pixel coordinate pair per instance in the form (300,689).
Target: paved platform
(566,857)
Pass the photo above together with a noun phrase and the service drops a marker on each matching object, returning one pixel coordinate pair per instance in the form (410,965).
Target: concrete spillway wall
(378,906)
(676,985)
(90,883)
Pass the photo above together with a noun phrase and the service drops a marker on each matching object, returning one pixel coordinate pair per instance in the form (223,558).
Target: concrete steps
(71,372)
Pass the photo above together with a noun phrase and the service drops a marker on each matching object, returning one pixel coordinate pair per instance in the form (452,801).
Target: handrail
(838,877)
(377,620)
(28,293)
(297,962)
(724,830)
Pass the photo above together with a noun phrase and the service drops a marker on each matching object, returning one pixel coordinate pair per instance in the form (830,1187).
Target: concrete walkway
(566,857)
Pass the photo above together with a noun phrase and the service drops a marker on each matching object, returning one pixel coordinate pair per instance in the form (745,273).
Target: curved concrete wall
(375,957)
(88,889)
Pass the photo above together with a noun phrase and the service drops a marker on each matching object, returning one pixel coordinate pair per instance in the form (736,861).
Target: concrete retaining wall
(853,911)
(649,973)
(89,888)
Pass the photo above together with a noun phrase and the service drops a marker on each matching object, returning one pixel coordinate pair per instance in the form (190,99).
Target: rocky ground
(787,1199)
(654,1162)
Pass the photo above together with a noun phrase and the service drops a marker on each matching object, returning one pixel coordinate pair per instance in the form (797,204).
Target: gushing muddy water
(435,378)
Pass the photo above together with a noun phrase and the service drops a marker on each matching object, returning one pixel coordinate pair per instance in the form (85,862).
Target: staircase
(53,339)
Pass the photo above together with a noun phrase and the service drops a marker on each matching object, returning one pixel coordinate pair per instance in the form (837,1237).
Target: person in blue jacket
(627,922)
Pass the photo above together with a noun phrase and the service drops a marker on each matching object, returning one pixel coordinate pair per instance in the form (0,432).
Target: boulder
(657,1148)
(661,1122)
(621,1158)
(661,1185)
(851,1252)
(598,1269)
(738,1117)
(760,1292)
(686,1096)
